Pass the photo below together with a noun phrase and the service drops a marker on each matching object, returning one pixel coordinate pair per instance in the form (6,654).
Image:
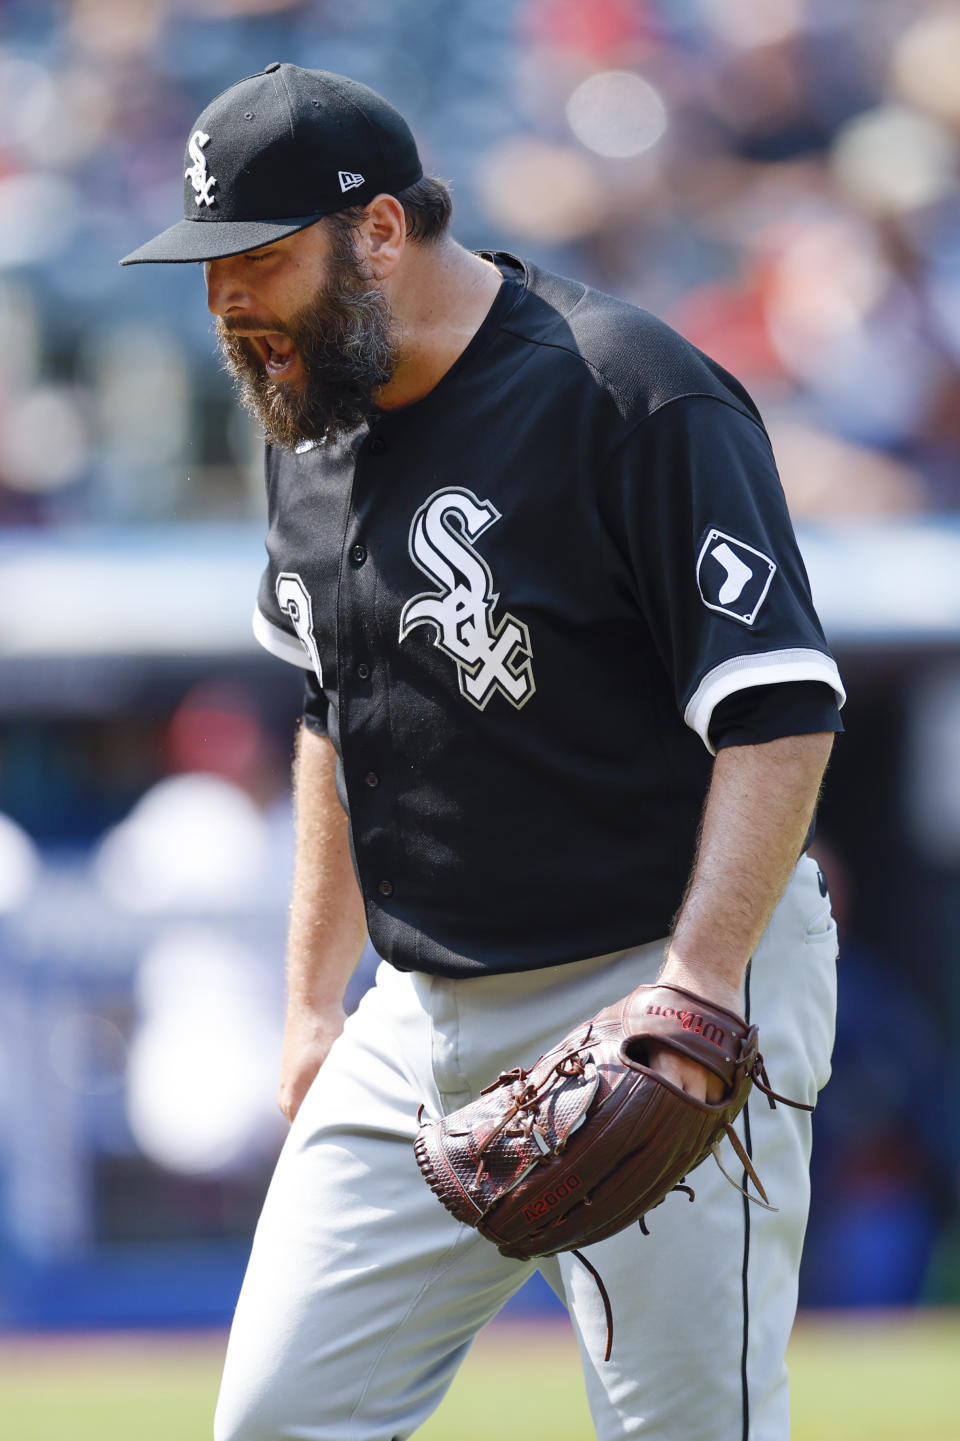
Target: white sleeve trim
(279,642)
(743,671)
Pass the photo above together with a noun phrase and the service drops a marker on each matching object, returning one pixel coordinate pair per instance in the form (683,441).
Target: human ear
(383,235)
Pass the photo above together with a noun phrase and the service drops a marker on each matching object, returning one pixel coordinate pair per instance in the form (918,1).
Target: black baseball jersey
(522,599)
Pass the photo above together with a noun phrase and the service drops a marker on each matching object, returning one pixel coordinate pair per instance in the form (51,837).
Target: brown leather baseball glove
(590,1138)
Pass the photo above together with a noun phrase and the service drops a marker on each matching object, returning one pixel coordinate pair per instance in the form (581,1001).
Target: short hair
(427,208)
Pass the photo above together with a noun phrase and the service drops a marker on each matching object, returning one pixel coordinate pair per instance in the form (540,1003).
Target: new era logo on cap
(348,180)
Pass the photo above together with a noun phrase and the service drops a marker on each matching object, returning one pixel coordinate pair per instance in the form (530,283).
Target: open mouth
(276,352)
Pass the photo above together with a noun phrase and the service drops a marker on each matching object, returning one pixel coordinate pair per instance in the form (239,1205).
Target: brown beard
(346,343)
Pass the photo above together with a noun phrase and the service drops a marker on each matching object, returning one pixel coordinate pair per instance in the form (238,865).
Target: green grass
(109,1388)
(889,1379)
(886,1380)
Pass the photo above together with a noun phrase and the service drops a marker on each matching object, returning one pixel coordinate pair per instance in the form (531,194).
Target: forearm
(327,923)
(758,811)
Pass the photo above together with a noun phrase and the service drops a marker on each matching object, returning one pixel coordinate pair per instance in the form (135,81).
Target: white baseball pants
(363,1295)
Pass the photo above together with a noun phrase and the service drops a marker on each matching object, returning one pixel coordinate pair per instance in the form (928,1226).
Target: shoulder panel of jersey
(698,528)
(640,360)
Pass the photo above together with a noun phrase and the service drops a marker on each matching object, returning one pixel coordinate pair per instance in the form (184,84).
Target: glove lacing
(759,1077)
(526,1101)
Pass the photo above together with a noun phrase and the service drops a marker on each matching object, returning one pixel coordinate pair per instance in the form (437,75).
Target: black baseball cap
(274,154)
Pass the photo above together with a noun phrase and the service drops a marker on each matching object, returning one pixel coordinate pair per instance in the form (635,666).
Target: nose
(225,290)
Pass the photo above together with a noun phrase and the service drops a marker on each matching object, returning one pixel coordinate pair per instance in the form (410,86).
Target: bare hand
(689,1075)
(307,1040)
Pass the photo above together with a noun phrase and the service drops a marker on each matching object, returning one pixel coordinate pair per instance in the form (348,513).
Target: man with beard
(567,710)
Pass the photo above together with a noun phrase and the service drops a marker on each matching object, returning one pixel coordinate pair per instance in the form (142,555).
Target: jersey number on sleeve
(294,600)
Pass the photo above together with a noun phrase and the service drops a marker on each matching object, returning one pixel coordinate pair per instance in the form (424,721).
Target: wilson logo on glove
(691,1022)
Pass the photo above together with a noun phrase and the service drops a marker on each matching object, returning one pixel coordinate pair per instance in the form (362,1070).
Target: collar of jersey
(509,295)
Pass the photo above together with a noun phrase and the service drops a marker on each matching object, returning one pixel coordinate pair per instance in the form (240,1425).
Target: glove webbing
(527,1099)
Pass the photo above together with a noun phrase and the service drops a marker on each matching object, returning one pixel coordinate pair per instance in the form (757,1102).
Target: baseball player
(567,710)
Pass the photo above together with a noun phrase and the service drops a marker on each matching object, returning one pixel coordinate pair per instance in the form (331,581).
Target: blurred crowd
(778,178)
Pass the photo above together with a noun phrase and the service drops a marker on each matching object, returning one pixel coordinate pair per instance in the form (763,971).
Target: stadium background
(778,179)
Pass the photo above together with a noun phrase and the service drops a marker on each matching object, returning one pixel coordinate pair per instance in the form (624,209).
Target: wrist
(304,1009)
(723,986)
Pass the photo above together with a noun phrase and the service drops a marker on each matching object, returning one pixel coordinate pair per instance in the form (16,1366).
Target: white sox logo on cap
(197,174)
(490,656)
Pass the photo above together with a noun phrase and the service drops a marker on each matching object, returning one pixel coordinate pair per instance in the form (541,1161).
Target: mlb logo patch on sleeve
(732,577)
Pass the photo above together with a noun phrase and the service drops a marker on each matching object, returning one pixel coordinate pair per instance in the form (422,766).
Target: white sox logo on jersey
(490,655)
(197,174)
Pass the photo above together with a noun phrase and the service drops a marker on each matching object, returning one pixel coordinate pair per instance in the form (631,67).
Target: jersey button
(372,779)
(358,554)
(385,888)
(363,671)
(377,445)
